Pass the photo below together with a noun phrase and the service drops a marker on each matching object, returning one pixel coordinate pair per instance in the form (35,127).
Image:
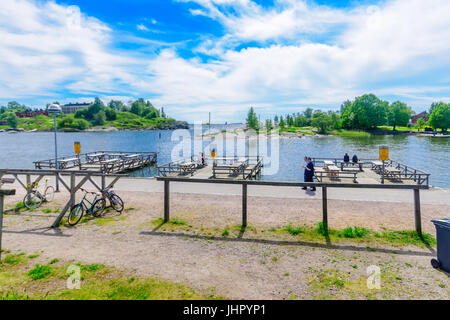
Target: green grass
(294,231)
(40,272)
(97,282)
(394,237)
(350,133)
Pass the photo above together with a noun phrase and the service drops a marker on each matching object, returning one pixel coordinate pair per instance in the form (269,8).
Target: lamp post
(55,109)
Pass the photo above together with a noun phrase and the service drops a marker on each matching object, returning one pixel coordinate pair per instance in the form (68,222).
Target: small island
(96,116)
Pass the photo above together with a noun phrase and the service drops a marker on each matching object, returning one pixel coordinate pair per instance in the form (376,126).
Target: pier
(107,162)
(234,168)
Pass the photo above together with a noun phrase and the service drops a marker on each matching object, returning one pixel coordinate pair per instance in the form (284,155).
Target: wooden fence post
(2,194)
(417,212)
(324,209)
(244,204)
(166,200)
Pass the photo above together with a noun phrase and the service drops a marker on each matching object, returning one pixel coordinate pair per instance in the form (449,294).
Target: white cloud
(142,27)
(47,47)
(305,54)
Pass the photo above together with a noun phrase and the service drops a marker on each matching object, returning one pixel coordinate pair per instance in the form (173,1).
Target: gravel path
(252,265)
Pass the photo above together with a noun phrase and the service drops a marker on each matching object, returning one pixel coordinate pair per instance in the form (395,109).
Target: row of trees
(364,113)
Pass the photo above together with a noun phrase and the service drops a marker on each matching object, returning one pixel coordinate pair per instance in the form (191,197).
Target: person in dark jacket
(355,159)
(346,158)
(309,173)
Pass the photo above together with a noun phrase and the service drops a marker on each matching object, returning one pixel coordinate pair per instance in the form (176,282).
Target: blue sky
(223,56)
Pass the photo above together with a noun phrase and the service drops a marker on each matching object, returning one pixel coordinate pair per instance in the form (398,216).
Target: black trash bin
(443,244)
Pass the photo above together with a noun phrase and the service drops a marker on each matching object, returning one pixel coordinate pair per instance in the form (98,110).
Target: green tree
(308,113)
(282,124)
(252,119)
(275,120)
(300,121)
(110,114)
(420,124)
(366,112)
(335,120)
(12,120)
(322,122)
(94,108)
(269,125)
(116,105)
(398,114)
(99,118)
(440,117)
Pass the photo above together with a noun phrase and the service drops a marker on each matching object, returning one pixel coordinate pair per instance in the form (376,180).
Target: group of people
(309,168)
(347,158)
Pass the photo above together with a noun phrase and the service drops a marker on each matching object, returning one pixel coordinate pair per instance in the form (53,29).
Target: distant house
(74,107)
(3,122)
(423,115)
(30,114)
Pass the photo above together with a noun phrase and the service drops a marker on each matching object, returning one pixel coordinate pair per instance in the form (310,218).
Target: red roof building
(423,115)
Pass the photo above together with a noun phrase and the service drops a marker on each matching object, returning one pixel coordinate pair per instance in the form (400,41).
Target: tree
(420,124)
(308,113)
(110,114)
(163,115)
(12,120)
(269,125)
(440,117)
(398,114)
(116,105)
(335,120)
(300,121)
(366,112)
(275,120)
(94,108)
(99,118)
(252,119)
(282,124)
(322,122)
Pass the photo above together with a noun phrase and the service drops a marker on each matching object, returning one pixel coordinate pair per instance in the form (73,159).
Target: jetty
(234,168)
(368,171)
(107,162)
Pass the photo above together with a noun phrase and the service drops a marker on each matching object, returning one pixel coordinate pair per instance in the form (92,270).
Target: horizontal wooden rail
(324,186)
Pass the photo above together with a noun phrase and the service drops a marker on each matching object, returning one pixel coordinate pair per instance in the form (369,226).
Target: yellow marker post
(77,147)
(384,156)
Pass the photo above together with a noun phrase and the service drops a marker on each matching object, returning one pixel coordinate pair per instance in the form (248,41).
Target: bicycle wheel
(49,193)
(98,207)
(32,200)
(76,213)
(116,202)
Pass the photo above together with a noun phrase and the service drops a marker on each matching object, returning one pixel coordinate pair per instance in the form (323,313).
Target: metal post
(56,155)
(244,204)
(166,200)
(417,212)
(324,209)
(382,173)
(103,182)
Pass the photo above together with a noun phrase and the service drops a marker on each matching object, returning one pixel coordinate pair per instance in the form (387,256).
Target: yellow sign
(77,147)
(208,124)
(213,154)
(384,153)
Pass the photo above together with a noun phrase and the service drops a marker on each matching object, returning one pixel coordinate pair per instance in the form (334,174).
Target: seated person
(346,158)
(355,159)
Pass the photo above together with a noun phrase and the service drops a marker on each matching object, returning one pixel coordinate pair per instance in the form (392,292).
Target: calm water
(429,154)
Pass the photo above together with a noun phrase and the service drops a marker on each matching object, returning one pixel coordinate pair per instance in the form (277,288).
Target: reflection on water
(426,153)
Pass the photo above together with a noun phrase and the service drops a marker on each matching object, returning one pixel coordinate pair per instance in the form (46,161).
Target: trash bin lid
(444,223)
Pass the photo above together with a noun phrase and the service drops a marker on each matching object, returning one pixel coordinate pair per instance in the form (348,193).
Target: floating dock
(235,168)
(107,162)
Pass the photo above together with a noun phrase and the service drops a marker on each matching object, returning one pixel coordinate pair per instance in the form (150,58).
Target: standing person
(309,173)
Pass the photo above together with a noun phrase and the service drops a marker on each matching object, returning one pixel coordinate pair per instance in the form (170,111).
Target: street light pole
(55,109)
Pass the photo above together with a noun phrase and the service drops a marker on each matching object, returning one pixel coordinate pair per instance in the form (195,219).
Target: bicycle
(34,197)
(115,201)
(95,207)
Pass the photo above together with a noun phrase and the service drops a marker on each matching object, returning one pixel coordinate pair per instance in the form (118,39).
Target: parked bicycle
(115,201)
(94,207)
(34,197)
